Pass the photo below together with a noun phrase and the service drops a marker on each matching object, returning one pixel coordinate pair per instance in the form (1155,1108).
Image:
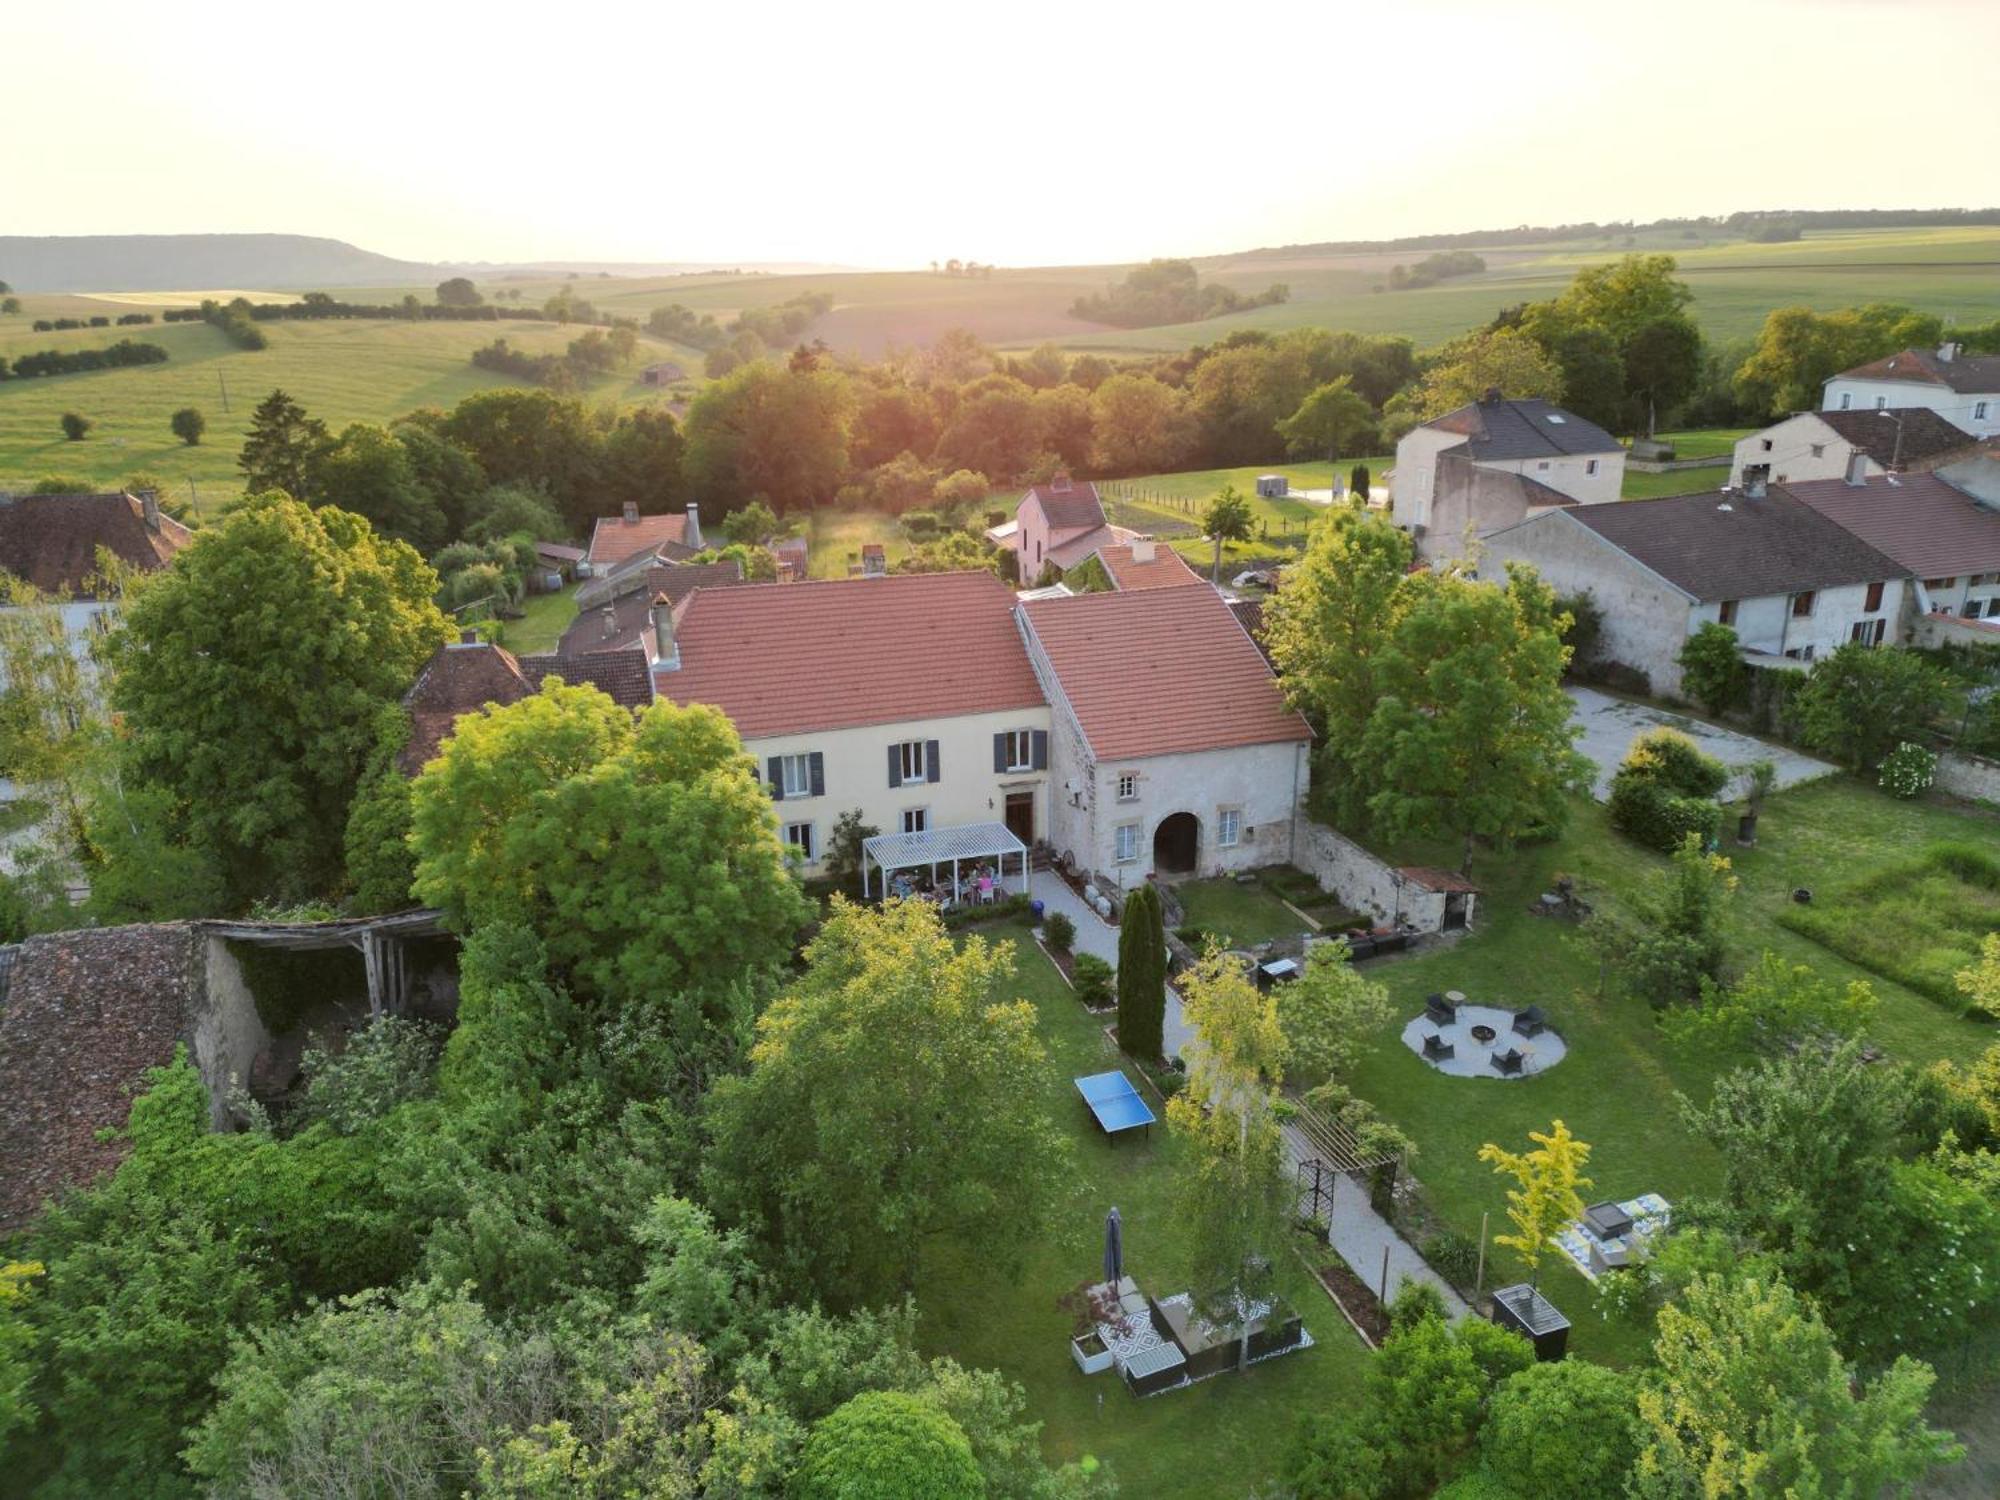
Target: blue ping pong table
(1115,1102)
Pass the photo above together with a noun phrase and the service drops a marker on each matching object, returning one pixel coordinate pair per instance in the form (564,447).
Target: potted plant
(1094,1305)
(1759,779)
(1092,1354)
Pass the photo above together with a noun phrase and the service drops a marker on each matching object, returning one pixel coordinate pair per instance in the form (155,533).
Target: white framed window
(795,776)
(1228,826)
(1881,402)
(1127,836)
(916,819)
(1846,400)
(800,837)
(1020,748)
(910,757)
(1802,606)
(1128,786)
(1590,466)
(1818,450)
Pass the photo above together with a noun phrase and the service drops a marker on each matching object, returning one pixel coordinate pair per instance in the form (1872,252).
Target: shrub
(1908,770)
(1660,794)
(75,425)
(1092,976)
(1712,669)
(188,424)
(888,1445)
(1453,1256)
(1586,626)
(1566,1428)
(1670,757)
(1862,701)
(920,525)
(1058,931)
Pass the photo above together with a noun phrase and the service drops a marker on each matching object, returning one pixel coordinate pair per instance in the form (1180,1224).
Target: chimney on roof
(1492,396)
(1142,549)
(631,512)
(609,615)
(468,638)
(692,536)
(149,507)
(666,650)
(1947,352)
(1060,484)
(1857,467)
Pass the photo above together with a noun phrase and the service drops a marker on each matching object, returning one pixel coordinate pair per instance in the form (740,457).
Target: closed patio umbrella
(1114,1248)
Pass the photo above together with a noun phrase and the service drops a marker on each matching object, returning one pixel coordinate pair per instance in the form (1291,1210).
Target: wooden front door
(1021,816)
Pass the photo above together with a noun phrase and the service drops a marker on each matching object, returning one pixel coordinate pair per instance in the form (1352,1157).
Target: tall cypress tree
(1142,974)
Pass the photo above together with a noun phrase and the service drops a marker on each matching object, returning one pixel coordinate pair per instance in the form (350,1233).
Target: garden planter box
(1091,1353)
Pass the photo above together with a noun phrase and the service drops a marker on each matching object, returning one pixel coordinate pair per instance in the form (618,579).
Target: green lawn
(1223,1437)
(1616,1087)
(544,618)
(834,539)
(1238,915)
(1706,442)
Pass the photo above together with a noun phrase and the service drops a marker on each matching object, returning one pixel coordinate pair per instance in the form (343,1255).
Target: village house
(1494,463)
(1059,523)
(1963,389)
(1174,750)
(621,616)
(1791,582)
(51,543)
(1812,445)
(1947,541)
(793,558)
(1142,564)
(674,536)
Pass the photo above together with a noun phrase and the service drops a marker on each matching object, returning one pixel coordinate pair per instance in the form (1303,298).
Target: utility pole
(224,384)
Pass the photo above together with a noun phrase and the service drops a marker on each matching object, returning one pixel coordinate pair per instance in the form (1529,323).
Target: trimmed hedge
(1662,792)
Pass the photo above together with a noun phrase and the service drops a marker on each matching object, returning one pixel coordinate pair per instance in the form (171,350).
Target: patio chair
(1509,1061)
(1437,1049)
(1530,1022)
(1440,1011)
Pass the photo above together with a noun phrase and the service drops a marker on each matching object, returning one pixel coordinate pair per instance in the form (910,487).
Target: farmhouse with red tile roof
(675,534)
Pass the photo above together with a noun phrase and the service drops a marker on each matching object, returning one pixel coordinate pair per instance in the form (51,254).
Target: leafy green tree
(1712,669)
(1468,367)
(9,306)
(1748,1396)
(1663,364)
(1798,348)
(1593,370)
(1328,1015)
(754,524)
(1241,392)
(996,430)
(1235,1183)
(1471,733)
(954,552)
(1426,1391)
(17,1345)
(367,470)
(278,451)
(846,1161)
(1326,628)
(1861,702)
(508,510)
(1142,974)
(843,848)
(1357,483)
(252,675)
(446,471)
(1332,418)
(458,291)
(1334,1458)
(644,455)
(538,438)
(763,430)
(1547,1197)
(1140,425)
(1626,295)
(1568,1428)
(1063,416)
(75,426)
(188,425)
(1662,793)
(1775,1004)
(644,854)
(1980,982)
(885,1445)
(380,866)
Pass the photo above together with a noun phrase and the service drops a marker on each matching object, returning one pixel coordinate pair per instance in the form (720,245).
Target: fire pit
(1483,1033)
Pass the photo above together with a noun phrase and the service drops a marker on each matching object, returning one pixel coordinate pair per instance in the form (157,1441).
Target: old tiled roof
(559,551)
(623,674)
(1069,553)
(1160,671)
(838,653)
(1431,878)
(86,1013)
(1899,437)
(1167,569)
(639,571)
(1723,545)
(1928,527)
(1500,430)
(1068,505)
(631,609)
(614,538)
(1250,615)
(460,678)
(1966,374)
(52,540)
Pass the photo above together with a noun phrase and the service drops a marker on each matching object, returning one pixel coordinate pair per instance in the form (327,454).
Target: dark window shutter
(777,781)
(818,765)
(931,759)
(1000,752)
(895,765)
(1041,750)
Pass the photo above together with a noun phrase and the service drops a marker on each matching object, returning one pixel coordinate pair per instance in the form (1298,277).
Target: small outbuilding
(666,372)
(1273,486)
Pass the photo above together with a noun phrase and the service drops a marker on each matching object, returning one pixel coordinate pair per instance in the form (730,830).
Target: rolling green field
(343,372)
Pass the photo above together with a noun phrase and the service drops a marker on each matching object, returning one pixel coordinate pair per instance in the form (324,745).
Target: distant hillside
(173,262)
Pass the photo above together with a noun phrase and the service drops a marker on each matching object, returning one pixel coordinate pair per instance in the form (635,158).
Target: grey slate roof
(1723,545)
(1924,435)
(1499,429)
(1068,504)
(1967,374)
(1932,528)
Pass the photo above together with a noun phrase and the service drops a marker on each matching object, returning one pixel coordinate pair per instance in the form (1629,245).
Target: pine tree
(1142,974)
(279,451)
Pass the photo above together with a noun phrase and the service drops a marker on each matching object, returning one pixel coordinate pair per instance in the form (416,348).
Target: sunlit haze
(889,135)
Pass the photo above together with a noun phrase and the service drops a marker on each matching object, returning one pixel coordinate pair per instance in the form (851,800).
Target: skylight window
(1555,416)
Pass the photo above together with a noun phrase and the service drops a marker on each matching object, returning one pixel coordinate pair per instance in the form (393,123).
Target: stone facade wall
(1973,777)
(1362,881)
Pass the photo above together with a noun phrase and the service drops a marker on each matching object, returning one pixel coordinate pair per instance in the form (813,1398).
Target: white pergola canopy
(936,847)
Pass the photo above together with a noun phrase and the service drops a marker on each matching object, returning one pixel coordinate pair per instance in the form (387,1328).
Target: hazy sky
(1017,133)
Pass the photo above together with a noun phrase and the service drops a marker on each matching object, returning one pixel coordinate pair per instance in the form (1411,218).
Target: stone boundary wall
(1362,881)
(1973,777)
(1675,465)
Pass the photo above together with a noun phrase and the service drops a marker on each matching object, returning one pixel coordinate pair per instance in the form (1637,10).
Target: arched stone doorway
(1176,844)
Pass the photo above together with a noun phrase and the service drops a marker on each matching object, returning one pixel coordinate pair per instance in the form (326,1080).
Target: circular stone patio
(1472,1055)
